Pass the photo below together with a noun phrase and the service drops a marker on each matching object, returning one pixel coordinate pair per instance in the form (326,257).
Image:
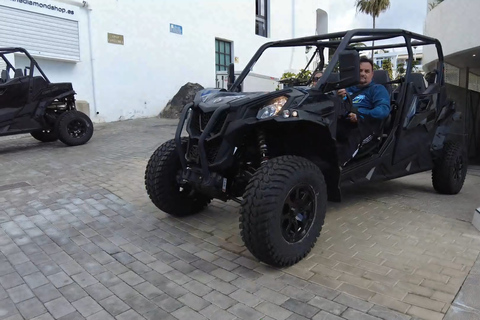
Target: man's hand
(352,117)
(342,92)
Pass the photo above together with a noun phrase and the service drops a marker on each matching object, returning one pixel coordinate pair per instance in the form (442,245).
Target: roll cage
(342,42)
(30,70)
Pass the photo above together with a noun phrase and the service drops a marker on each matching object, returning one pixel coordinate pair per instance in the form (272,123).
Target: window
(223,54)
(261,18)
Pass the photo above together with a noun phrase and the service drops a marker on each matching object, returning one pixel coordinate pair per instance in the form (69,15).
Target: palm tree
(373,8)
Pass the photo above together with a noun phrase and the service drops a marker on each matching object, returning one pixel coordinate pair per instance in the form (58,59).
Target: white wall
(455,24)
(138,78)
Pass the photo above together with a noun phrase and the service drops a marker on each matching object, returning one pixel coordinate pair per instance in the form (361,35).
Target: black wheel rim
(298,213)
(458,167)
(77,128)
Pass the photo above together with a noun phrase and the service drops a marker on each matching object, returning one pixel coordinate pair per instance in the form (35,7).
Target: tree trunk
(373,42)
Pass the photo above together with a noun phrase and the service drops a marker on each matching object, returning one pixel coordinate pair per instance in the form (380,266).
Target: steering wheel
(348,103)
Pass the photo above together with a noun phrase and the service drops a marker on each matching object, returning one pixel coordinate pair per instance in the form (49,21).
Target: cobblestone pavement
(79,239)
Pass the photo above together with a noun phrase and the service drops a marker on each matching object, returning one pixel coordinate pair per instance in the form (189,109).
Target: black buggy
(276,153)
(30,103)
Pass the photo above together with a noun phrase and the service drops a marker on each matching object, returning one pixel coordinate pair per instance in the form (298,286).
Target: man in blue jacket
(371,105)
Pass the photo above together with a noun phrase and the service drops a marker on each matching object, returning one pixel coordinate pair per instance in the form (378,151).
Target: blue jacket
(373,101)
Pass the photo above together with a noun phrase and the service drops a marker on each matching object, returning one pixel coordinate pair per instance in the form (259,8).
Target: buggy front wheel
(283,210)
(162,184)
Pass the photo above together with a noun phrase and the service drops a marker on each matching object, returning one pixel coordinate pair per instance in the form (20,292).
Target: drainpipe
(92,65)
(293,32)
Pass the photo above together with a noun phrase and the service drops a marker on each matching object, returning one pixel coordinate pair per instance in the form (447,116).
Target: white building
(454,23)
(128,58)
(398,59)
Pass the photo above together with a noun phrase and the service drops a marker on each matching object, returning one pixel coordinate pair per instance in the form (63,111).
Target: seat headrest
(18,73)
(381,77)
(418,82)
(4,75)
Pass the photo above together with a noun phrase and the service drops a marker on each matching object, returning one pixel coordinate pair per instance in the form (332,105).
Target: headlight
(272,108)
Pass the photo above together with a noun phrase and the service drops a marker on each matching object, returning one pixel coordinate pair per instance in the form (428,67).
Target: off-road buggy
(276,153)
(30,103)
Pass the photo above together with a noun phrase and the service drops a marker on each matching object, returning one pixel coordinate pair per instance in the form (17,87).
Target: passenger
(371,105)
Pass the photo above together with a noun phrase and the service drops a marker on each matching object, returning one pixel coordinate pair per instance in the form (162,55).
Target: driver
(370,106)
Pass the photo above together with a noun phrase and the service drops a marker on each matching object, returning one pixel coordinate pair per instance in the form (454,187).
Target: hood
(210,99)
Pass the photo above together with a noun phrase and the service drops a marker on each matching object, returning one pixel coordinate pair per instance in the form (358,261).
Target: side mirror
(349,62)
(231,75)
(349,66)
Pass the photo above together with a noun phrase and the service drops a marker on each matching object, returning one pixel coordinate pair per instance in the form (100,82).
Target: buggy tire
(450,170)
(268,210)
(162,186)
(74,128)
(44,135)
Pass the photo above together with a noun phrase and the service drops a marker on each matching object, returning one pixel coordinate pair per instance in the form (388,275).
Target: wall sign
(174,28)
(115,38)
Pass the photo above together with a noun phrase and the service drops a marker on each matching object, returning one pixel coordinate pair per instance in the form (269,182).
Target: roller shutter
(42,35)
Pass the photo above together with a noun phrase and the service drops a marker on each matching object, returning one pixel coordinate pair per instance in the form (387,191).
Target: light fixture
(474,55)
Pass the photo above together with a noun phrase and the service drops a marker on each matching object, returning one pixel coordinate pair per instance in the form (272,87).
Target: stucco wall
(455,24)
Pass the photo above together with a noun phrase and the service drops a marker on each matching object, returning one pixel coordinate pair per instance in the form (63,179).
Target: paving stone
(59,307)
(148,290)
(353,302)
(246,298)
(220,300)
(11,280)
(327,305)
(301,308)
(7,308)
(322,315)
(387,314)
(274,311)
(271,296)
(167,303)
(114,305)
(72,292)
(214,313)
(60,279)
(49,268)
(140,304)
(197,288)
(31,308)
(131,278)
(158,314)
(194,302)
(35,280)
(187,313)
(20,293)
(26,268)
(108,279)
(47,293)
(130,315)
(245,312)
(102,315)
(352,314)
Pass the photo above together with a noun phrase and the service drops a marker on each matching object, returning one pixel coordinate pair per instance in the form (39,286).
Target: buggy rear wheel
(74,128)
(163,187)
(283,210)
(450,170)
(44,135)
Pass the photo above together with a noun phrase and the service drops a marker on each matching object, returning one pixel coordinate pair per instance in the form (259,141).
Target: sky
(402,14)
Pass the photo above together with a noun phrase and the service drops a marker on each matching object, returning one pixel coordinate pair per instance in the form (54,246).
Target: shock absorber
(262,147)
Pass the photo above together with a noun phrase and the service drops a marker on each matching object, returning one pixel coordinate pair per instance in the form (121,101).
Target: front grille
(199,121)
(211,149)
